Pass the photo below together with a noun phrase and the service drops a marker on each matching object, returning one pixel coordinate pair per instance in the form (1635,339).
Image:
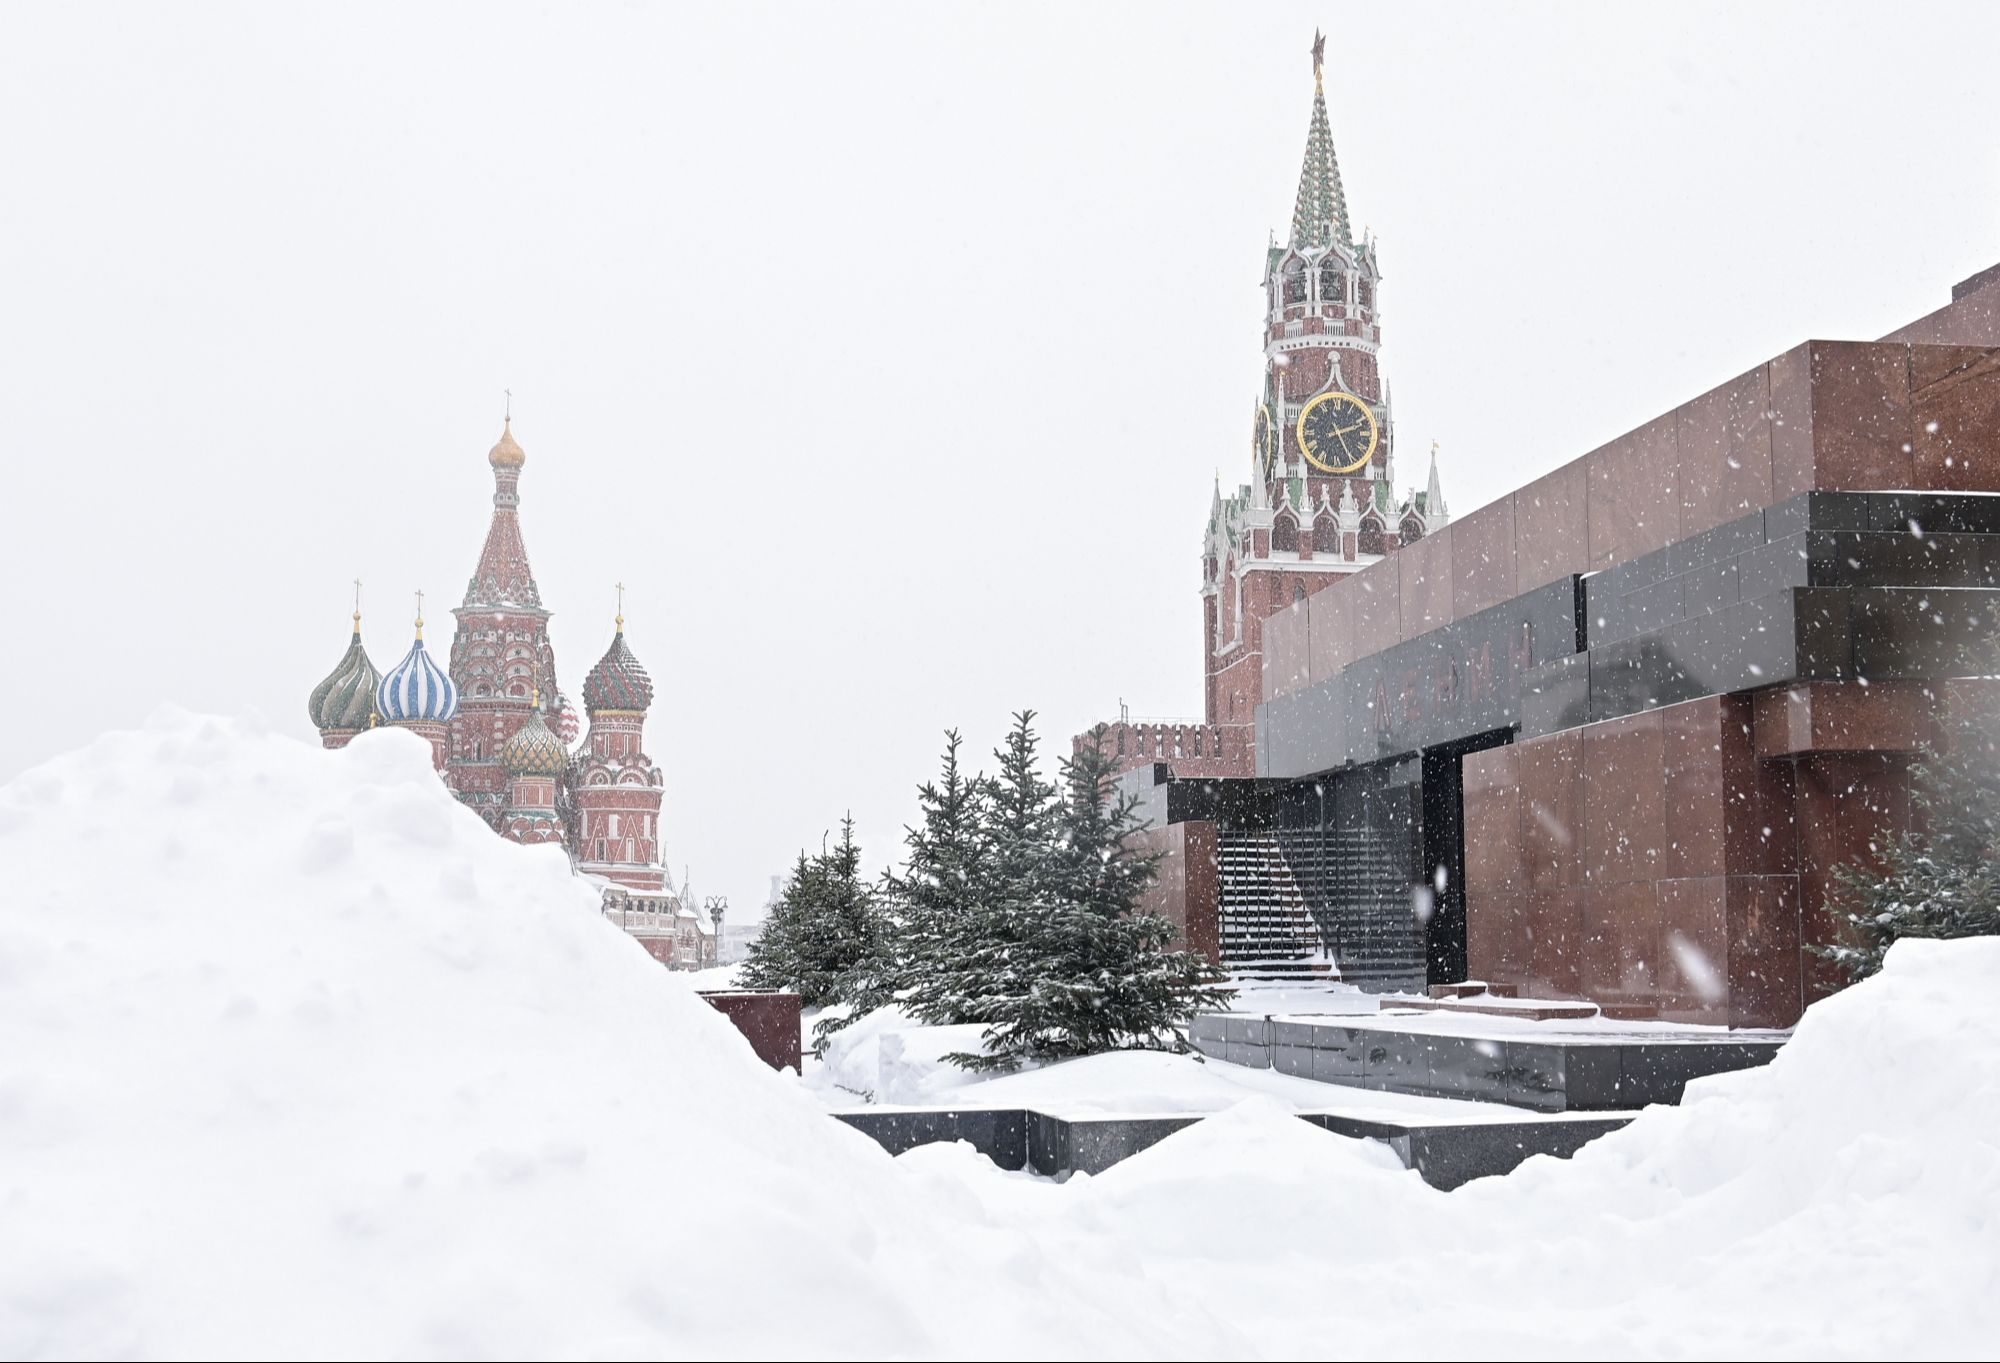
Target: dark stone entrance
(1442,875)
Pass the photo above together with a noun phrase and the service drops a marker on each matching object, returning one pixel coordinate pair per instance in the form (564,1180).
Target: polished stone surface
(1445,1155)
(1824,586)
(1561,1074)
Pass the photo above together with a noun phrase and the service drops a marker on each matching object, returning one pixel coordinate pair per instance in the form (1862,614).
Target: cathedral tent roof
(503,577)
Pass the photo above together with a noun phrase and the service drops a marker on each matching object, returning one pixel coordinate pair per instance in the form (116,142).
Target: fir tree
(776,959)
(1940,878)
(1075,967)
(823,938)
(942,899)
(987,972)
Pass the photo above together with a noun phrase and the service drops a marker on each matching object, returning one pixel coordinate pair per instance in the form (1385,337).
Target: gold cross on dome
(621,605)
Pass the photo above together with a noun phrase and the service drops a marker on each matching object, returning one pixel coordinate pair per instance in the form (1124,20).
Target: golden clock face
(1263,438)
(1338,433)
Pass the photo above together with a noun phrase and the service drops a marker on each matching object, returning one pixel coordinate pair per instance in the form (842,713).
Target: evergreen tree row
(1017,908)
(1941,877)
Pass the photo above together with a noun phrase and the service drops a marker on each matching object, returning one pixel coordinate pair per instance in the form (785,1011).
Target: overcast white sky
(886,353)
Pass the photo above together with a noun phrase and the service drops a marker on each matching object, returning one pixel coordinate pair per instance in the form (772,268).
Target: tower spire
(1434,494)
(1319,215)
(503,577)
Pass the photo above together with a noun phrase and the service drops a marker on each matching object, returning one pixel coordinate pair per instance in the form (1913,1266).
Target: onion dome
(417,689)
(533,750)
(563,720)
(346,699)
(507,454)
(617,682)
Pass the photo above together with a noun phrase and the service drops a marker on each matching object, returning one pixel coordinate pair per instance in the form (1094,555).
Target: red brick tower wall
(617,795)
(500,653)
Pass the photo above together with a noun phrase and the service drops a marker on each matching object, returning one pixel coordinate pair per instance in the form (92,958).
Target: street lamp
(717,906)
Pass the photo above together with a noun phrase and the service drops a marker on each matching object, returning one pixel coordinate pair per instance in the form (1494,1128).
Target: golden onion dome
(507,454)
(533,750)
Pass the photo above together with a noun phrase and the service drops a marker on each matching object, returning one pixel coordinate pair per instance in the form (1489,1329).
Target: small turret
(535,760)
(534,750)
(617,682)
(615,785)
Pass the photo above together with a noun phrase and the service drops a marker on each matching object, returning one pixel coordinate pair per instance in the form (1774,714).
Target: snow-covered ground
(297,1058)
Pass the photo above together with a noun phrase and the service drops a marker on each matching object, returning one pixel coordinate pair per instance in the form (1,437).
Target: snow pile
(889,1057)
(1844,1201)
(296,1057)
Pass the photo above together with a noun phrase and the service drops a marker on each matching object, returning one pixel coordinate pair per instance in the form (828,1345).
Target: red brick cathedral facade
(501,730)
(1321,500)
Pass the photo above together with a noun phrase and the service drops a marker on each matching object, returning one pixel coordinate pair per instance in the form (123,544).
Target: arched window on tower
(1364,293)
(1326,537)
(1332,283)
(1285,535)
(1295,281)
(1298,592)
(1412,530)
(1373,539)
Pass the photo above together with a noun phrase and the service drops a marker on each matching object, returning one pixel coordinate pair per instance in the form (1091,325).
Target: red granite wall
(1971,318)
(1676,864)
(770,1022)
(1188,889)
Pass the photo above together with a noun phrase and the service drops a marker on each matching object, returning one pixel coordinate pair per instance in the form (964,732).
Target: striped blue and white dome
(416,689)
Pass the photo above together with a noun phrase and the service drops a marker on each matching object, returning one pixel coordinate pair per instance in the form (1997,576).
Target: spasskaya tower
(1321,499)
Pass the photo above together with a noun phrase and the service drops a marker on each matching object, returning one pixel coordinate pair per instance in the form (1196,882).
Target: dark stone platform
(1562,1072)
(1445,1154)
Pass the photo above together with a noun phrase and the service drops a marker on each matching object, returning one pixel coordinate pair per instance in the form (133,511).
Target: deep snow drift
(295,1056)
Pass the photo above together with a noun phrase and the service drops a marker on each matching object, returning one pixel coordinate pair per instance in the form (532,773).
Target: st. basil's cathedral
(502,733)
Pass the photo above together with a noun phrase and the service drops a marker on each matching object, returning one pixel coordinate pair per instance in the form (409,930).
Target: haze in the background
(886,354)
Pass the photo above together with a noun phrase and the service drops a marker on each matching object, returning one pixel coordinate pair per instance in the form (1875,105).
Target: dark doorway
(1444,852)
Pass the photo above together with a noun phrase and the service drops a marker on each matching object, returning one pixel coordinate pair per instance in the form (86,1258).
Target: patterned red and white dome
(618,682)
